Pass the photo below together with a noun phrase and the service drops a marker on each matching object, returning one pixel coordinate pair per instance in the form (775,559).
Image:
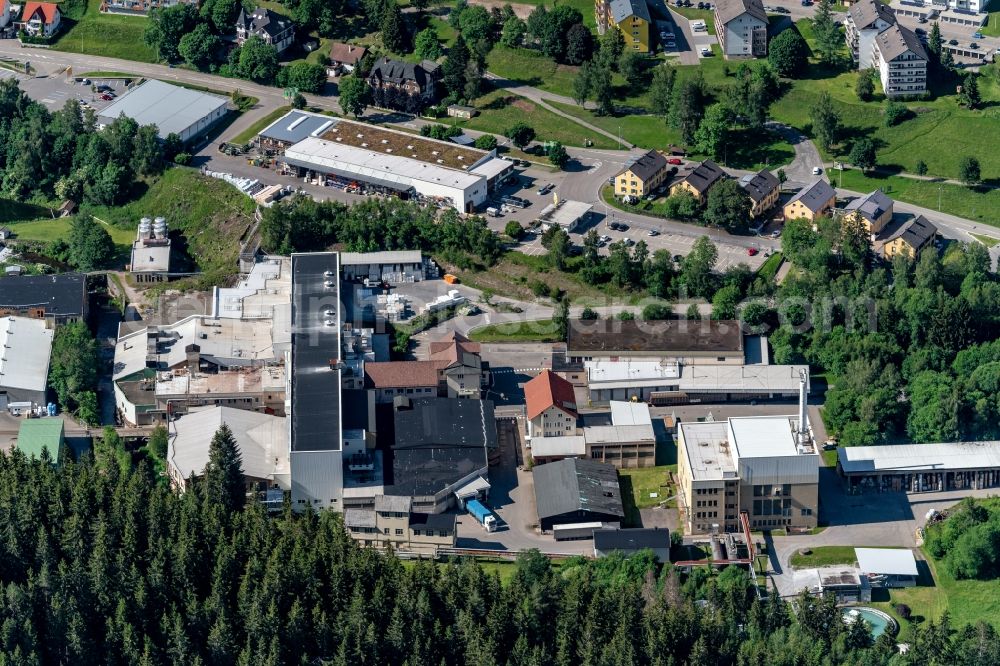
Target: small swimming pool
(878,621)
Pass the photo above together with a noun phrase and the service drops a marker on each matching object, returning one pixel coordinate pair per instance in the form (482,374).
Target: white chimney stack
(803,414)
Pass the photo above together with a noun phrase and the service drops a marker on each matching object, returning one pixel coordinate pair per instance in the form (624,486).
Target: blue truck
(482,513)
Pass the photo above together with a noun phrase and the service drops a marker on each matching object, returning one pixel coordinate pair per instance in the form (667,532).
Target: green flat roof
(37,434)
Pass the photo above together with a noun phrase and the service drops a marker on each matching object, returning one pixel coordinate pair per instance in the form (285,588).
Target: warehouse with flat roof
(920,468)
(174,110)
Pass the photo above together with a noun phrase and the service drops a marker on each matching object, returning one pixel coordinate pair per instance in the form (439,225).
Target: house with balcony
(901,61)
(272,28)
(630,17)
(741,26)
(865,21)
(40,19)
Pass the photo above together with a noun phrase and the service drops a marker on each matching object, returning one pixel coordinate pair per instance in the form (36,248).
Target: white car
(705,51)
(698,26)
(817,171)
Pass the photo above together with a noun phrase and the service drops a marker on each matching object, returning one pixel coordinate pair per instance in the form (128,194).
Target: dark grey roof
(814,196)
(897,40)
(865,12)
(705,175)
(672,335)
(356,407)
(297,125)
(871,206)
(62,295)
(917,232)
(628,540)
(399,72)
(577,485)
(359,518)
(433,521)
(646,166)
(436,442)
(727,10)
(263,20)
(759,185)
(315,399)
(623,9)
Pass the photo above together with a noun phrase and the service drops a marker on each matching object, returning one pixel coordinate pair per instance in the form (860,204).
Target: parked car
(752,251)
(776,233)
(977,35)
(652,232)
(106,97)
(952,42)
(670,44)
(922,19)
(705,51)
(605,238)
(104,88)
(545,189)
(920,31)
(806,3)
(701,5)
(629,242)
(674,160)
(781,10)
(622,226)
(973,45)
(817,171)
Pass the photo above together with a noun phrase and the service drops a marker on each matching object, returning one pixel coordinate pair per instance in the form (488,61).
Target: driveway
(807,157)
(690,42)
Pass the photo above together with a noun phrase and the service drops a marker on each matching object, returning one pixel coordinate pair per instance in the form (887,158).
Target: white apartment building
(866,20)
(742,28)
(901,61)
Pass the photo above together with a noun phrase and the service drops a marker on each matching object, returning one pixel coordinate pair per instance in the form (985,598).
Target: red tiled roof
(546,390)
(447,344)
(346,53)
(48,10)
(402,374)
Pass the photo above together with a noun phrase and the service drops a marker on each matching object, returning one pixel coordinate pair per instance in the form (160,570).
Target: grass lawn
(829,458)
(254,129)
(15,210)
(992,27)
(645,131)
(500,109)
(980,205)
(532,68)
(211,215)
(988,241)
(111,35)
(49,229)
(649,481)
(822,556)
(769,269)
(543,330)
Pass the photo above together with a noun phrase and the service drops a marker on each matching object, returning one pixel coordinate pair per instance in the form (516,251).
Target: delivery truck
(481,512)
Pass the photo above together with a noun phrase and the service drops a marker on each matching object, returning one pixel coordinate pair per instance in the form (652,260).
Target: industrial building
(566,214)
(766,466)
(630,542)
(36,436)
(625,437)
(920,468)
(703,341)
(392,267)
(174,110)
(394,523)
(665,383)
(151,252)
(571,492)
(25,352)
(55,299)
(887,567)
(357,156)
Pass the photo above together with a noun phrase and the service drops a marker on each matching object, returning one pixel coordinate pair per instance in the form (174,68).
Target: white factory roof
(266,288)
(901,458)
(150,258)
(169,107)
(25,350)
(493,168)
(567,445)
(763,436)
(386,257)
(730,378)
(402,171)
(613,434)
(707,448)
(234,341)
(630,413)
(262,440)
(890,561)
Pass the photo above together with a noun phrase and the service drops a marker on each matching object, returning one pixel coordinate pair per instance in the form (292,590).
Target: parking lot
(54,91)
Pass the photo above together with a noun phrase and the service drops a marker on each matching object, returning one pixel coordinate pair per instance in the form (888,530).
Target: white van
(493,212)
(697,26)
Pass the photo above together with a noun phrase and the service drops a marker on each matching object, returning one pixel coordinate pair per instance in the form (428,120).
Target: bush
(625,315)
(589,314)
(486,142)
(514,230)
(903,611)
(183,159)
(895,113)
(656,312)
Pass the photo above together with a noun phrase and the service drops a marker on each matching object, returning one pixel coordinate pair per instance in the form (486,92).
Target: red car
(752,251)
(106,97)
(674,160)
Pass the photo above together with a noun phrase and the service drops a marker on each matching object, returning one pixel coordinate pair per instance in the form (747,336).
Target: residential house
(701,179)
(551,406)
(58,299)
(763,189)
(874,210)
(630,17)
(262,440)
(741,26)
(641,176)
(45,434)
(901,60)
(910,238)
(865,20)
(40,19)
(454,370)
(393,523)
(272,28)
(344,58)
(811,202)
(574,492)
(403,85)
(767,466)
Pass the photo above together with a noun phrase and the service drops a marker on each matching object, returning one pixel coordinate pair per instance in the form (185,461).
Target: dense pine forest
(104,564)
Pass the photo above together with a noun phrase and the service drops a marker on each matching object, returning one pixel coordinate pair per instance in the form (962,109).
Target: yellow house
(910,238)
(641,176)
(874,210)
(811,202)
(763,189)
(700,180)
(631,17)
